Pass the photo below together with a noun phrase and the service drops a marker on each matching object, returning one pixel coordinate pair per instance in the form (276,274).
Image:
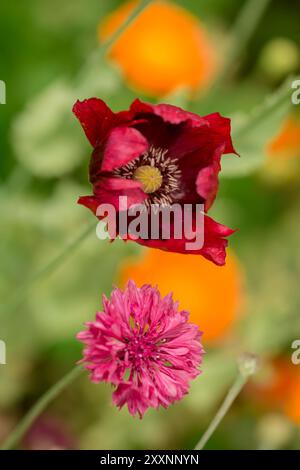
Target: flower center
(141,352)
(150,177)
(159,174)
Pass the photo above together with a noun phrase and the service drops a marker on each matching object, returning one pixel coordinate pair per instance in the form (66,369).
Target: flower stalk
(134,14)
(242,31)
(247,366)
(45,271)
(17,434)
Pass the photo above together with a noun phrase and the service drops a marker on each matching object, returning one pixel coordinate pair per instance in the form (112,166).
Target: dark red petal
(190,140)
(200,165)
(207,181)
(138,107)
(222,127)
(175,115)
(95,167)
(214,242)
(96,119)
(168,112)
(199,151)
(123,144)
(108,191)
(91,202)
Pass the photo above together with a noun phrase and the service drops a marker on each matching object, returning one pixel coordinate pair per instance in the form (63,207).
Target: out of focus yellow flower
(279,58)
(166,47)
(211,294)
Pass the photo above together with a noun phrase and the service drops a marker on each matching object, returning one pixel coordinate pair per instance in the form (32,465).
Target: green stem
(270,105)
(242,31)
(229,399)
(50,395)
(48,269)
(248,364)
(107,45)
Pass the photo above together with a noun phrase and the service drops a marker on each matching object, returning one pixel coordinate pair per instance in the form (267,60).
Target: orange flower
(287,143)
(292,404)
(210,293)
(164,48)
(283,152)
(280,388)
(274,385)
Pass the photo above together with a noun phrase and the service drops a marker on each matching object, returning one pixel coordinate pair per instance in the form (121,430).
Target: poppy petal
(109,191)
(123,144)
(95,117)
(214,246)
(168,112)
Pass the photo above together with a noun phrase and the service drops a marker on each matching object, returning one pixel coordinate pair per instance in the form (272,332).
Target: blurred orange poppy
(211,294)
(287,143)
(283,152)
(165,47)
(280,388)
(292,404)
(270,388)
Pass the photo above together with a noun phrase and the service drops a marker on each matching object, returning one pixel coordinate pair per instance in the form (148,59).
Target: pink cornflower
(144,346)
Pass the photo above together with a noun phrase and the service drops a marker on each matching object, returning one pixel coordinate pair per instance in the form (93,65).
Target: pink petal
(127,394)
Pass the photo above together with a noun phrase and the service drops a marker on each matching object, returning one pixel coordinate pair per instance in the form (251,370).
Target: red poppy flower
(157,154)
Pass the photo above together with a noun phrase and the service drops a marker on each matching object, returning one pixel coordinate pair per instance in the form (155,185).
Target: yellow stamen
(150,177)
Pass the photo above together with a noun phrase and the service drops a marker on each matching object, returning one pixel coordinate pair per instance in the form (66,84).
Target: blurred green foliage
(49,58)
